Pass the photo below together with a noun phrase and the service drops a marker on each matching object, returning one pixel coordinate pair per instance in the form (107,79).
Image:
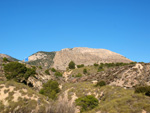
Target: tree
(53,70)
(47,72)
(71,65)
(5,59)
(18,71)
(50,89)
(58,74)
(87,102)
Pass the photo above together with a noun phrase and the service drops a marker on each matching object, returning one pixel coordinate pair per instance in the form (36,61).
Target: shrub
(79,75)
(53,70)
(17,71)
(71,65)
(47,72)
(79,66)
(95,65)
(147,93)
(40,67)
(84,71)
(100,68)
(101,83)
(87,102)
(58,74)
(5,59)
(50,89)
(142,89)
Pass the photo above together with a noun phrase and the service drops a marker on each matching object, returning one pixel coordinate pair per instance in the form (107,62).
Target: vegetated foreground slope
(118,96)
(124,76)
(80,55)
(19,98)
(112,99)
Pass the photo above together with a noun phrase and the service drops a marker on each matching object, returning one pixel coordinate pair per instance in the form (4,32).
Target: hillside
(25,92)
(8,57)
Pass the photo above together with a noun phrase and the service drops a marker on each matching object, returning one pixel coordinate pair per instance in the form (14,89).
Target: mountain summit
(80,55)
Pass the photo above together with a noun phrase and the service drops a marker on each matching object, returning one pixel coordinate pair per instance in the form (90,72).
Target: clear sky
(122,26)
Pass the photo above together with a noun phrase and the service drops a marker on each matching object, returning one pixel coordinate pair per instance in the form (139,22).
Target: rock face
(86,56)
(44,59)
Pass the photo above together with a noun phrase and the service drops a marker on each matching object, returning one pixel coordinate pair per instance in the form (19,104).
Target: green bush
(71,65)
(96,65)
(50,89)
(142,89)
(79,66)
(79,75)
(5,59)
(147,93)
(101,83)
(85,71)
(40,67)
(100,68)
(47,72)
(53,70)
(58,74)
(87,103)
(18,71)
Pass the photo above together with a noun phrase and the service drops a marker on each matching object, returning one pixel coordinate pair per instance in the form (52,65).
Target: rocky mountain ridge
(80,55)
(8,57)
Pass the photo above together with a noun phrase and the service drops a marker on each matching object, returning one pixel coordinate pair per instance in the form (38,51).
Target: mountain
(41,58)
(8,57)
(86,56)
(80,55)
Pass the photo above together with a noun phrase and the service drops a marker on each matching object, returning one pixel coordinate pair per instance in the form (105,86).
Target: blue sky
(122,26)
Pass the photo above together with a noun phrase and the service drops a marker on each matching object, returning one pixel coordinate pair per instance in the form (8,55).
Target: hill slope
(8,57)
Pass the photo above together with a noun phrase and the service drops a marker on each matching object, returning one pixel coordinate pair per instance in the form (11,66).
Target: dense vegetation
(87,102)
(143,89)
(18,71)
(50,89)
